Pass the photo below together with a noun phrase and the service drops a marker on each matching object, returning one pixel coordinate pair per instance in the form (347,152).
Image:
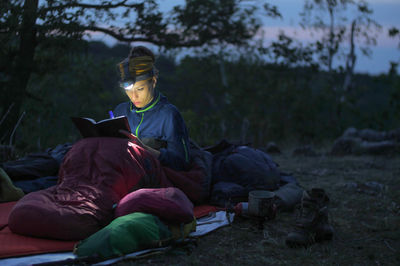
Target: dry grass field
(364,207)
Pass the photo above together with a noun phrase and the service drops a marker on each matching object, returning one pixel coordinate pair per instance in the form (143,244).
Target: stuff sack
(169,204)
(225,193)
(251,168)
(31,167)
(126,234)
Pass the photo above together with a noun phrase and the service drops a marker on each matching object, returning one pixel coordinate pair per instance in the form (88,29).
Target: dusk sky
(386,13)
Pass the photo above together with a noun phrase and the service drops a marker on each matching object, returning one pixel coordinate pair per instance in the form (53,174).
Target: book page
(108,119)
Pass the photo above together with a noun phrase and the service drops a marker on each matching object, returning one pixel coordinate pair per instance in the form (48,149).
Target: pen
(111,114)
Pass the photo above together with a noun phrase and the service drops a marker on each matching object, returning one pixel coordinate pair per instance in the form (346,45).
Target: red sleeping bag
(95,174)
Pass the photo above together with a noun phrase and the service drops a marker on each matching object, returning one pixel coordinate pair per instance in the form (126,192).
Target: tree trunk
(331,38)
(350,62)
(19,71)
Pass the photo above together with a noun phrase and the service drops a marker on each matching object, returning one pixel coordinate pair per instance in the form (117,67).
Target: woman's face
(141,92)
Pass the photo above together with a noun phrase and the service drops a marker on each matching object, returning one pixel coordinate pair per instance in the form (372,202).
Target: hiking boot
(312,224)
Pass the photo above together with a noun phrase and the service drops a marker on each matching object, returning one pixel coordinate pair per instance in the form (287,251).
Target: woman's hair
(141,51)
(138,51)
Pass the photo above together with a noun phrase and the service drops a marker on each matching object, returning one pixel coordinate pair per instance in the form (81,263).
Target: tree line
(248,100)
(48,72)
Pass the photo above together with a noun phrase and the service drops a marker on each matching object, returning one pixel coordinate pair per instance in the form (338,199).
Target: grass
(366,221)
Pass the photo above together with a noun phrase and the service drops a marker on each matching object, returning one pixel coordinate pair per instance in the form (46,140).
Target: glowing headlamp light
(127,85)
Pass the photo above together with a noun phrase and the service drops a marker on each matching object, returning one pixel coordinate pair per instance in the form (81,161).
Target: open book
(88,127)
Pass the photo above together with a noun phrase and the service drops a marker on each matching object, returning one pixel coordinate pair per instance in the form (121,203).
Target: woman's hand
(132,137)
(137,141)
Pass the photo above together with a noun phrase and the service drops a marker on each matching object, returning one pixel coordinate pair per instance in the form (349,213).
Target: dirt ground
(364,210)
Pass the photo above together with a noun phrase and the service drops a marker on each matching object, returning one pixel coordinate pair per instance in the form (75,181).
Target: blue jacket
(160,120)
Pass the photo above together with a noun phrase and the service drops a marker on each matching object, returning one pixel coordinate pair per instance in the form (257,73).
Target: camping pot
(261,203)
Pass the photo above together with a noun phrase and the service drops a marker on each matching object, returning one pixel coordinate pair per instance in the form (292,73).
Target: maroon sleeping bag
(170,204)
(95,174)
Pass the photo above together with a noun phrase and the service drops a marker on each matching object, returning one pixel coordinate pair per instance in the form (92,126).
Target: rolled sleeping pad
(288,196)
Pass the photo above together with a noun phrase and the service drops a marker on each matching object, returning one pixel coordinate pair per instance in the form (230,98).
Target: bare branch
(5,115)
(15,128)
(83,5)
(387,244)
(161,42)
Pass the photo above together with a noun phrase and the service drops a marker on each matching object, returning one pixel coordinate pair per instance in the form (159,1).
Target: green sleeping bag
(126,234)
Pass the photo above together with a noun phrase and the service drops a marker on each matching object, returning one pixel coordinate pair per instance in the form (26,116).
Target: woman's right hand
(131,137)
(137,141)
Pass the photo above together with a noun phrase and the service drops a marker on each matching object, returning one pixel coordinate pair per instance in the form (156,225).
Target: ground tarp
(14,245)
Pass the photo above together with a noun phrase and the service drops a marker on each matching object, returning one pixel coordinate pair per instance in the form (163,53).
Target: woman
(98,172)
(156,124)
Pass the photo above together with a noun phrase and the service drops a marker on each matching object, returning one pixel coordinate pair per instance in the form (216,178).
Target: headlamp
(128,78)
(126,85)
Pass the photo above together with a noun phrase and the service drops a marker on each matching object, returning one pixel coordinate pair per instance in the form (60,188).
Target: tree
(34,33)
(394,32)
(330,20)
(363,29)
(335,24)
(289,52)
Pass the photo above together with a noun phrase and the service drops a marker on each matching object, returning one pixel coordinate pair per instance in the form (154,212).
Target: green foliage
(86,86)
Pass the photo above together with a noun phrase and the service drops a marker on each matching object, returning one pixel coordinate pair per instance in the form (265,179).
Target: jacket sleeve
(121,109)
(176,155)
